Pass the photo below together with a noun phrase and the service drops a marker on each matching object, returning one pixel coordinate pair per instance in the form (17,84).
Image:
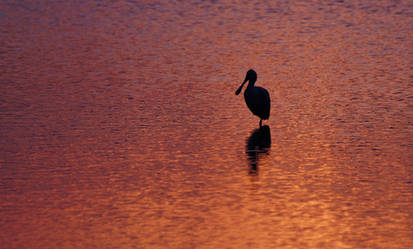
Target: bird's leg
(260,123)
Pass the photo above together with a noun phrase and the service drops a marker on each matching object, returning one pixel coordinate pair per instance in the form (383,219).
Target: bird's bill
(240,87)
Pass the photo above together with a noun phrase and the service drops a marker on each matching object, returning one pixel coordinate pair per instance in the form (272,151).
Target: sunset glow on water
(120,127)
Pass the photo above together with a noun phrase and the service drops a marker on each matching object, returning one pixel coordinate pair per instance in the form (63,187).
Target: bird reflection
(259,142)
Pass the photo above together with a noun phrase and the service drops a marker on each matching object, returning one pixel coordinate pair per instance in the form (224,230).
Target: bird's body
(258,101)
(256,98)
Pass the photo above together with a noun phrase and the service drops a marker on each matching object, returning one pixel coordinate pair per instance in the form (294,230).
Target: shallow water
(120,127)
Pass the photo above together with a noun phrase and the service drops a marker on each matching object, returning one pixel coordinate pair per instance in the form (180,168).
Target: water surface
(120,127)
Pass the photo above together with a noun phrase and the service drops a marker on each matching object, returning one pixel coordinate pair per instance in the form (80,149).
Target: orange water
(120,127)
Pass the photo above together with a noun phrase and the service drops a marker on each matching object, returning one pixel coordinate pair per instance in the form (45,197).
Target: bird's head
(251,76)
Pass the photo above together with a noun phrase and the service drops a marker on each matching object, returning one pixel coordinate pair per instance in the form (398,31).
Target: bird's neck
(251,84)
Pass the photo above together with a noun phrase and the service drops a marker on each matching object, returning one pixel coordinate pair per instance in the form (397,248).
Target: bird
(256,98)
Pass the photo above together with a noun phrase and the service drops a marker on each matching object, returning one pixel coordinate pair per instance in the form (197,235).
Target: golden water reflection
(120,129)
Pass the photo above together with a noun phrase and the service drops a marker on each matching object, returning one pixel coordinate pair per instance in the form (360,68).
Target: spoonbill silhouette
(256,98)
